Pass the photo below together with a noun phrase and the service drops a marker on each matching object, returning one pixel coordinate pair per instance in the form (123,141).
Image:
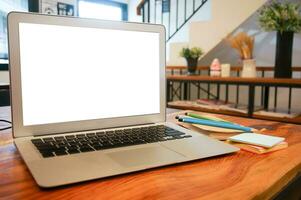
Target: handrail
(238,80)
(145,5)
(139,7)
(233,68)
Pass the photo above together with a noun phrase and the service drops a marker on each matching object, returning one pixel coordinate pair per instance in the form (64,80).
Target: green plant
(283,17)
(193,53)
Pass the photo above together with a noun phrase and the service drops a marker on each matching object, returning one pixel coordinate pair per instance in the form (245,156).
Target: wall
(132,5)
(181,39)
(222,21)
(182,36)
(4,76)
(264,49)
(264,53)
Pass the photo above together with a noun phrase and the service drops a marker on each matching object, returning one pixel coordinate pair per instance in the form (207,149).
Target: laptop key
(91,135)
(178,137)
(59,138)
(47,154)
(36,141)
(70,137)
(98,147)
(48,139)
(73,151)
(174,133)
(86,149)
(60,153)
(72,144)
(81,136)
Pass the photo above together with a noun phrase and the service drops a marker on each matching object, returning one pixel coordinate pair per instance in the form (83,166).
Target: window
(102,9)
(7,6)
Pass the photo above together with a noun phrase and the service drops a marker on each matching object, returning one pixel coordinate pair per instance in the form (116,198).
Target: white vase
(249,68)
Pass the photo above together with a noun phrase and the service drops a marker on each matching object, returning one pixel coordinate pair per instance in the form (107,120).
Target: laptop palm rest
(146,156)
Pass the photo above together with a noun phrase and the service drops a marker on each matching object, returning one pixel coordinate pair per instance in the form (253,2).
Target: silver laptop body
(72,77)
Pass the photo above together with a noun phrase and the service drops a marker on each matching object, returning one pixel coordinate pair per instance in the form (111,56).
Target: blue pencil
(215,123)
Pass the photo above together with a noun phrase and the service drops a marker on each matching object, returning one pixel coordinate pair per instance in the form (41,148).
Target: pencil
(215,123)
(206,117)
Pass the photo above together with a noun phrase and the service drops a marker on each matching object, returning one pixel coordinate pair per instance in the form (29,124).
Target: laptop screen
(78,73)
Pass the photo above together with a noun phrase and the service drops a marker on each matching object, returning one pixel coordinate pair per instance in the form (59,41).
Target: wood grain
(238,176)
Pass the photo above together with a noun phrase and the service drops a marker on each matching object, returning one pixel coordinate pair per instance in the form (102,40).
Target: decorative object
(225,70)
(285,18)
(215,68)
(244,45)
(249,68)
(192,56)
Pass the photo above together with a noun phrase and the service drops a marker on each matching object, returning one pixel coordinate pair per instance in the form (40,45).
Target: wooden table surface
(242,175)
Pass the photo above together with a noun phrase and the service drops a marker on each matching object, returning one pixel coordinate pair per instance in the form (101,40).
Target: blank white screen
(75,73)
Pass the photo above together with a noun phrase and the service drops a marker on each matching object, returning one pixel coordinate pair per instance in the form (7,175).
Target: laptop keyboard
(100,140)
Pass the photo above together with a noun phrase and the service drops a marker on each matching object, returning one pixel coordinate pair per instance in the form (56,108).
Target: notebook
(257,139)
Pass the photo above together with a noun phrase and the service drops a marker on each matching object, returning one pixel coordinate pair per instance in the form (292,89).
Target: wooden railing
(180,85)
(233,68)
(204,70)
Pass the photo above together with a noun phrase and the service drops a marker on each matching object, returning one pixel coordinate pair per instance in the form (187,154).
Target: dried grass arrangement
(243,43)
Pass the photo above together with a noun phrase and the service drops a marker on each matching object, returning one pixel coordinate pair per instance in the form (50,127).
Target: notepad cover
(257,139)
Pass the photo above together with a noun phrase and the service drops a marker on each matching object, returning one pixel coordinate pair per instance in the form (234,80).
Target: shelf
(192,105)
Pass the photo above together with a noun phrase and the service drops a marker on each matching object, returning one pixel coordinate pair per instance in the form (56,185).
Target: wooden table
(241,175)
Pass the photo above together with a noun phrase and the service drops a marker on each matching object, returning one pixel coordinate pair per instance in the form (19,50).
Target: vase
(192,65)
(283,57)
(248,68)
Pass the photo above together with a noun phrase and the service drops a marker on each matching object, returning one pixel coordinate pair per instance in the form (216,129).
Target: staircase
(202,23)
(173,14)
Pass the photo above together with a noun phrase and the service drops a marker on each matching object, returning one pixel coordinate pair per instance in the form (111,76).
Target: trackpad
(148,156)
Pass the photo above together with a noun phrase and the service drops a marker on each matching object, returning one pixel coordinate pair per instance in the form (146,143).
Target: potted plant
(285,18)
(192,56)
(244,45)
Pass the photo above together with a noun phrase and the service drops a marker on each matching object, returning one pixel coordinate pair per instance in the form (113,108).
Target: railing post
(155,12)
(169,19)
(162,12)
(275,98)
(143,18)
(177,15)
(185,10)
(193,5)
(290,100)
(251,100)
(148,11)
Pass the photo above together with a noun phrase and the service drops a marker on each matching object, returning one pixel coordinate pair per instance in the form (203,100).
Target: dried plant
(243,44)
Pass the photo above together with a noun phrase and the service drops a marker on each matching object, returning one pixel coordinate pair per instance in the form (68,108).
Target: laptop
(88,100)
